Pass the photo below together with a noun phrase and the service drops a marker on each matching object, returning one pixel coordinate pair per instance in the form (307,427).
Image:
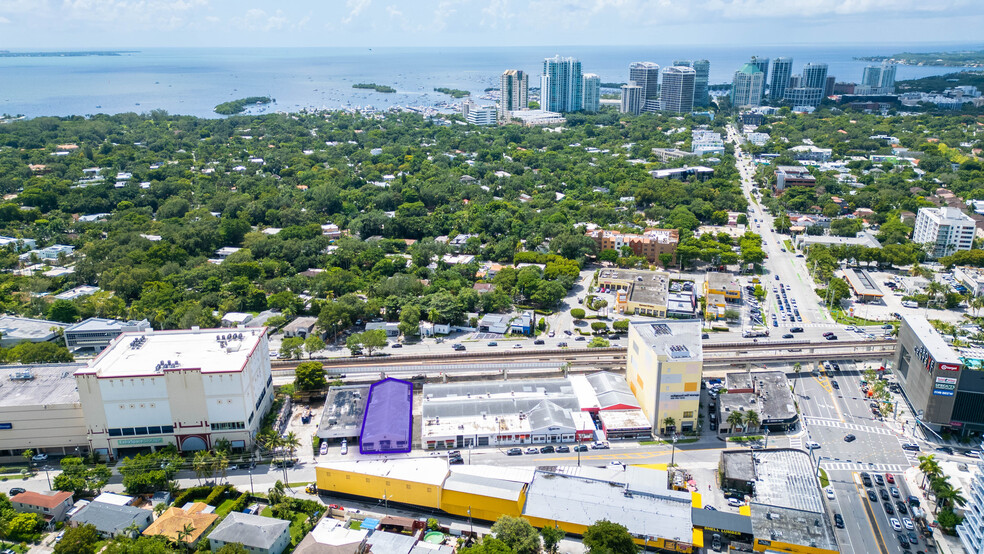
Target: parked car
(735,502)
(838,521)
(39,458)
(547,450)
(563,449)
(600,445)
(15,491)
(830,492)
(532,450)
(514,452)
(581,448)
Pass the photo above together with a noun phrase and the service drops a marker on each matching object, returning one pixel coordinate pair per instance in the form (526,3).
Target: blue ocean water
(193,80)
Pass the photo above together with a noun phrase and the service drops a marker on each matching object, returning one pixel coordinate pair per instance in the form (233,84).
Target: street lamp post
(673,451)
(45,468)
(249,467)
(766,437)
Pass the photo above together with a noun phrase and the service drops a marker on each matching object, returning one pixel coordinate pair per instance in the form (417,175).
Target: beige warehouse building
(40,410)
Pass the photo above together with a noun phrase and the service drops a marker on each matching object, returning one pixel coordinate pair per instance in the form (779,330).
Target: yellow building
(417,482)
(724,284)
(663,369)
(486,492)
(637,292)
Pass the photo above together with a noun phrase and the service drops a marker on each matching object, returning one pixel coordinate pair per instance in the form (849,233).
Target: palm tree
(202,464)
(797,368)
(668,423)
(220,463)
(185,532)
(735,419)
(752,420)
(929,467)
(976,303)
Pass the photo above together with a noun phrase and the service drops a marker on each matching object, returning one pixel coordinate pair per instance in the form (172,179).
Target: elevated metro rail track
(722,354)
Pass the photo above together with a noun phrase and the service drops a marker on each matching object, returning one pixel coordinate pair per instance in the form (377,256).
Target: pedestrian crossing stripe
(844,425)
(856,466)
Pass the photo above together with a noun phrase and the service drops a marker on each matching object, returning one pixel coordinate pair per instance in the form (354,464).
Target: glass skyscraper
(561,85)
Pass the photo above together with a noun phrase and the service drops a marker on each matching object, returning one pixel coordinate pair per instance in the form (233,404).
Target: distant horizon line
(978,44)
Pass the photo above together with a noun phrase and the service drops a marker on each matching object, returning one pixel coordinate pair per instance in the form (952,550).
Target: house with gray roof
(258,534)
(112,520)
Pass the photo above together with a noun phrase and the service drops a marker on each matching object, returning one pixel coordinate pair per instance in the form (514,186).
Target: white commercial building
(971,531)
(480,115)
(970,277)
(945,229)
(591,92)
(189,388)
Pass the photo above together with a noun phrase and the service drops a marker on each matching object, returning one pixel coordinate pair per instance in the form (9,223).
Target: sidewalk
(944,543)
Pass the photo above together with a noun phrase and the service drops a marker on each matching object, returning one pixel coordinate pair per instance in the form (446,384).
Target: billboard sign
(949,367)
(939,392)
(946,380)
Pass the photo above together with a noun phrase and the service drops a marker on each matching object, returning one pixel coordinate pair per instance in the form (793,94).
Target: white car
(907,523)
(324,449)
(810,445)
(830,493)
(735,502)
(517,345)
(895,523)
(344,447)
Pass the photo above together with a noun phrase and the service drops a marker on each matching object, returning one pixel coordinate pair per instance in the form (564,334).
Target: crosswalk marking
(796,442)
(844,425)
(856,466)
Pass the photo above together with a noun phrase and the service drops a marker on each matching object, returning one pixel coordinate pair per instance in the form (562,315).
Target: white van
(909,304)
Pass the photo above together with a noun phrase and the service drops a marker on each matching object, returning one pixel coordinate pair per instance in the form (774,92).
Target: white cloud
(355,8)
(496,15)
(442,13)
(393,11)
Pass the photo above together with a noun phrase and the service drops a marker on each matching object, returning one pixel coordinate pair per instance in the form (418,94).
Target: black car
(711,508)
(563,449)
(579,338)
(850,438)
(912,447)
(796,330)
(832,337)
(913,537)
(872,496)
(883,493)
(828,334)
(787,336)
(903,540)
(838,521)
(16,490)
(580,448)
(455,460)
(945,450)
(865,478)
(538,341)
(514,452)
(835,385)
(836,366)
(547,450)
(889,509)
(903,509)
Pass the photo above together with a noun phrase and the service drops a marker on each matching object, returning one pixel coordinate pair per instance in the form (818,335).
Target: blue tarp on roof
(388,417)
(370,523)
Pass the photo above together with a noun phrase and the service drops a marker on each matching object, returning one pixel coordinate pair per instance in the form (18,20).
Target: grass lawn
(844,319)
(789,245)
(225,507)
(824,480)
(266,512)
(297,528)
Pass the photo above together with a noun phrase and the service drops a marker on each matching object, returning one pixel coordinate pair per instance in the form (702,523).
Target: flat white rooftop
(154,353)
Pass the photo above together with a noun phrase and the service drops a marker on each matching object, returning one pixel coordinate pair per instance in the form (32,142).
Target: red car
(890,478)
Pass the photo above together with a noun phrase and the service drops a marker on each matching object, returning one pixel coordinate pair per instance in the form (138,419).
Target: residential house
(51,506)
(111,520)
(260,535)
(301,327)
(185,525)
(332,536)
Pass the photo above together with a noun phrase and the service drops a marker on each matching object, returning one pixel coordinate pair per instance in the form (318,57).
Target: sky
(82,24)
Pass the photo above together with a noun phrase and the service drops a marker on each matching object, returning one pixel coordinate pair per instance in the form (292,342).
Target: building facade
(645,75)
(763,65)
(631,99)
(96,333)
(747,86)
(663,369)
(943,385)
(782,69)
(189,388)
(677,91)
(592,93)
(971,530)
(561,85)
(650,244)
(40,410)
(945,229)
(513,92)
(480,115)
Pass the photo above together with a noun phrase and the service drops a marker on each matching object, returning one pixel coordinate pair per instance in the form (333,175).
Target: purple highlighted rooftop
(388,417)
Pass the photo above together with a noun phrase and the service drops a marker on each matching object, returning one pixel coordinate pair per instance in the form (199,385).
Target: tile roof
(173,521)
(32,498)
